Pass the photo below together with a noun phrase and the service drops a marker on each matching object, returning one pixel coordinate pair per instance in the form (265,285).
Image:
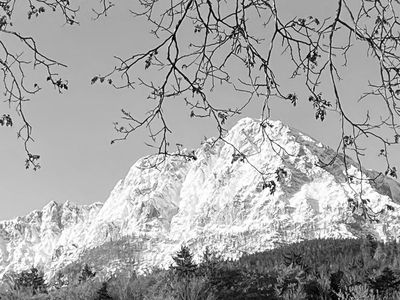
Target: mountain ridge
(216,198)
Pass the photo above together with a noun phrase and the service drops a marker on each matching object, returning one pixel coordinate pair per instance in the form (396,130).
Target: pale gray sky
(73,130)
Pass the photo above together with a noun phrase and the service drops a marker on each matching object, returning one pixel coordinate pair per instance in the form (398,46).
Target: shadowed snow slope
(215,200)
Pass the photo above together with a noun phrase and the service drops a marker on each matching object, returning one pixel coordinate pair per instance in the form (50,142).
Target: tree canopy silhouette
(201,44)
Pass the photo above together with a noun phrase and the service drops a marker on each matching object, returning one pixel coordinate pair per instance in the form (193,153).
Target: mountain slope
(218,199)
(40,237)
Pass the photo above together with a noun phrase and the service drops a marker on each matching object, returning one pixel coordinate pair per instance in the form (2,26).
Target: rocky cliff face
(41,237)
(218,199)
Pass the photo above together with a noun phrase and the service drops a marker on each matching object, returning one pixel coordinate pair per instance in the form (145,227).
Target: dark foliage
(385,284)
(86,273)
(184,263)
(318,269)
(102,293)
(31,280)
(313,290)
(336,284)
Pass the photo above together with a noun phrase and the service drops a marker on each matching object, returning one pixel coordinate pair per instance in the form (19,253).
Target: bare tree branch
(228,33)
(16,61)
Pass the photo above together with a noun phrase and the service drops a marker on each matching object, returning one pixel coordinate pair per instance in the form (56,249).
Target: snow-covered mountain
(214,197)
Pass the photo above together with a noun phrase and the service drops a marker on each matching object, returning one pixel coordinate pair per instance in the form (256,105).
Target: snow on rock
(37,238)
(218,199)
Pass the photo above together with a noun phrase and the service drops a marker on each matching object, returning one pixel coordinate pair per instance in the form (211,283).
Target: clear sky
(73,130)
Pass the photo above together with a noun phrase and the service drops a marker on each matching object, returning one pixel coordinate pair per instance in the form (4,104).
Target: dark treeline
(316,269)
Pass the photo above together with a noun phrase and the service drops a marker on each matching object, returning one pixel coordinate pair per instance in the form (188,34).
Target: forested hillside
(316,269)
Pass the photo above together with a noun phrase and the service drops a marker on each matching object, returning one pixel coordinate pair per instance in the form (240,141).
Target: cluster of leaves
(100,79)
(35,11)
(238,157)
(392,171)
(320,105)
(316,269)
(292,97)
(6,120)
(348,140)
(31,160)
(280,175)
(271,185)
(59,83)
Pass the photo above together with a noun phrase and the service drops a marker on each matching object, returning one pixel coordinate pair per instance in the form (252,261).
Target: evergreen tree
(209,263)
(102,293)
(86,273)
(368,247)
(385,284)
(337,284)
(184,264)
(32,280)
(38,281)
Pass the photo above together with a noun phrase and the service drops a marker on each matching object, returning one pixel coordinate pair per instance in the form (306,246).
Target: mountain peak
(221,200)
